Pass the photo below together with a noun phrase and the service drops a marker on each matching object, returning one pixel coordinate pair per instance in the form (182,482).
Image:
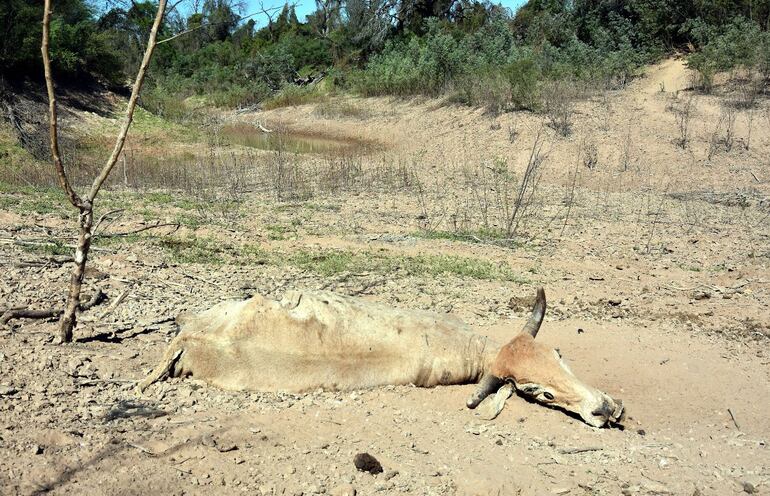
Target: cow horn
(487,385)
(536,317)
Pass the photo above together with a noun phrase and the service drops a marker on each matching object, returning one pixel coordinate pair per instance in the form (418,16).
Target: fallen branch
(733,419)
(175,225)
(24,242)
(27,313)
(573,451)
(60,260)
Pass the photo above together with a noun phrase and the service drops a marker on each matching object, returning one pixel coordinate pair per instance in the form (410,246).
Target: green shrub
(740,44)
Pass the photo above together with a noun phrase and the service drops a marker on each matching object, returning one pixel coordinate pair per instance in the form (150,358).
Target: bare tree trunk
(85,205)
(69,317)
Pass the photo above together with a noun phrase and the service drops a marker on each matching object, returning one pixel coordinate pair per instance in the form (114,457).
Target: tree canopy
(377,46)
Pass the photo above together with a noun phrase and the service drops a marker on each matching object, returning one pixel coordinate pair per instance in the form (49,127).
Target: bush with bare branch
(723,137)
(558,105)
(683,110)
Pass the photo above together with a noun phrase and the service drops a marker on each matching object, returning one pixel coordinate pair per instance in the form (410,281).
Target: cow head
(539,373)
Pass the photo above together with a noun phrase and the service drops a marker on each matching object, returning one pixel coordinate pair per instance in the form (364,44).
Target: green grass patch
(332,262)
(193,250)
(54,247)
(35,200)
(171,199)
(146,122)
(104,242)
(491,236)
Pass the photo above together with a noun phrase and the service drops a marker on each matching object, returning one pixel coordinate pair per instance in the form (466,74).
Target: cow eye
(548,395)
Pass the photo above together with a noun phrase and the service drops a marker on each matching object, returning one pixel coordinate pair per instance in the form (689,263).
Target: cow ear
(537,315)
(487,385)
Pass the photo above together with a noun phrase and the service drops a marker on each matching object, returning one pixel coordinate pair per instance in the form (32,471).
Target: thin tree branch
(61,172)
(240,18)
(151,43)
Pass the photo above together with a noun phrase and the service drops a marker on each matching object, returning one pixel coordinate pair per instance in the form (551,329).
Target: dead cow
(312,340)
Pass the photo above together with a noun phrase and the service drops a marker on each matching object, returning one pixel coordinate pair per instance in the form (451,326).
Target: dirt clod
(367,463)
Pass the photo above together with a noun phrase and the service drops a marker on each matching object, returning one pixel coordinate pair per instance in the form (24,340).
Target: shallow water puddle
(293,142)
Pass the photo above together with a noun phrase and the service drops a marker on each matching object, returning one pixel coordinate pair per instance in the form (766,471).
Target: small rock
(701,295)
(38,450)
(390,474)
(344,490)
(6,390)
(749,488)
(72,366)
(367,463)
(225,446)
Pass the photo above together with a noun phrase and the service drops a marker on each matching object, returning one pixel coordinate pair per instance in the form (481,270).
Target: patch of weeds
(292,95)
(473,268)
(194,250)
(277,232)
(191,221)
(148,123)
(129,239)
(148,215)
(483,235)
(41,201)
(54,247)
(327,263)
(175,200)
(315,207)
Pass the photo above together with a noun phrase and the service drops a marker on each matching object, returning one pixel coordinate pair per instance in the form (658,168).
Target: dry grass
(340,109)
(292,96)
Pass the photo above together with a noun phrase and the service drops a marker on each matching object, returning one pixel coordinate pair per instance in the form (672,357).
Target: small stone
(367,463)
(6,390)
(225,446)
(701,295)
(38,450)
(749,488)
(344,490)
(390,474)
(72,366)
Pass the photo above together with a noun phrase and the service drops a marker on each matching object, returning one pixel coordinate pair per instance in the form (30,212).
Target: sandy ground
(663,268)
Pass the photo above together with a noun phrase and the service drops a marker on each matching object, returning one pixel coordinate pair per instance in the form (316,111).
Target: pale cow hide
(316,339)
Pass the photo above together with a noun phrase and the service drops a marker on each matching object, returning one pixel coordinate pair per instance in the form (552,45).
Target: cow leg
(163,369)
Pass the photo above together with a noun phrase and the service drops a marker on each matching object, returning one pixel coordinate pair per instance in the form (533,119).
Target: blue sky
(305,7)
